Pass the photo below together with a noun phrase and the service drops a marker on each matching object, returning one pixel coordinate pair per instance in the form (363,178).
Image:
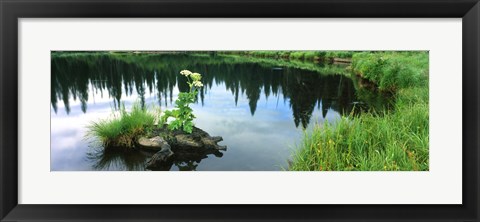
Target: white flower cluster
(197,83)
(185,72)
(196,76)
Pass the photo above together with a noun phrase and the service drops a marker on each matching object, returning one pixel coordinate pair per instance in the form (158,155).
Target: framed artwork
(278,110)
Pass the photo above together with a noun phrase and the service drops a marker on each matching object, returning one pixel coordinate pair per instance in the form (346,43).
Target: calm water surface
(259,107)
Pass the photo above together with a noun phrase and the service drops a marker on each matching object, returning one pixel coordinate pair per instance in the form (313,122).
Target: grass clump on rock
(123,129)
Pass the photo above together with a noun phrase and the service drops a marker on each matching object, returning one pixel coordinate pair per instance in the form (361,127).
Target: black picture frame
(11,11)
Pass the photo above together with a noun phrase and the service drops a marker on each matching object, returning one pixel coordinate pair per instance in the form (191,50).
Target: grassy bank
(123,128)
(295,55)
(392,70)
(394,140)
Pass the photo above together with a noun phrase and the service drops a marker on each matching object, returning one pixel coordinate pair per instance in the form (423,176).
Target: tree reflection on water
(77,77)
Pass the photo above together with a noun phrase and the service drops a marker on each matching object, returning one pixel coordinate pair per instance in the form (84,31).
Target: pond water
(260,107)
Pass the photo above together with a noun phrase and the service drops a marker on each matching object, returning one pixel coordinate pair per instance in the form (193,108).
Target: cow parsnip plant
(182,113)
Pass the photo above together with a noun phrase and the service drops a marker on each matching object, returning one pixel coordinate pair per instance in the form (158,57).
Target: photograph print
(239,111)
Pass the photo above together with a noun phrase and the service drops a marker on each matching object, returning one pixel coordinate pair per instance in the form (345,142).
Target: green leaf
(188,127)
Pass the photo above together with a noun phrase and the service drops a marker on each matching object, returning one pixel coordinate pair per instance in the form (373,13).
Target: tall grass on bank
(393,141)
(392,70)
(397,139)
(123,128)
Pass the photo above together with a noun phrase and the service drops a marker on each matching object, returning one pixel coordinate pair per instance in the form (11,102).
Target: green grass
(393,141)
(123,129)
(392,70)
(339,54)
(397,139)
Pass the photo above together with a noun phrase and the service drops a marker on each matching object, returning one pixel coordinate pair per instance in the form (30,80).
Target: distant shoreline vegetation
(384,139)
(292,55)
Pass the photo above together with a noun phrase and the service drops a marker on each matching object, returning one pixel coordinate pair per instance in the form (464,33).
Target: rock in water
(185,140)
(177,147)
(155,143)
(160,159)
(197,141)
(210,142)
